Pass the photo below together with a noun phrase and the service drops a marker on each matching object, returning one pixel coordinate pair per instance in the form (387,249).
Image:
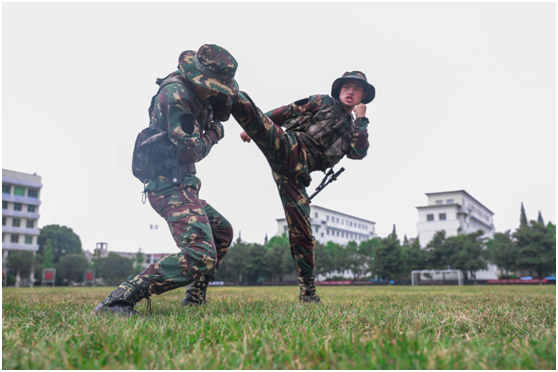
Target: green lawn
(482,327)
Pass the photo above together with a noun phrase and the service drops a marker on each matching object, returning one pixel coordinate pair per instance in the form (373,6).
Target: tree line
(530,248)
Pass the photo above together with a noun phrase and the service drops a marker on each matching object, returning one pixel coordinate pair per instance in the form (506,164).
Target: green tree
(435,255)
(466,253)
(22,262)
(412,257)
(139,259)
(47,257)
(72,267)
(64,241)
(324,258)
(523,218)
(535,249)
(340,261)
(278,257)
(256,267)
(114,269)
(540,219)
(501,252)
(366,251)
(387,257)
(353,259)
(234,263)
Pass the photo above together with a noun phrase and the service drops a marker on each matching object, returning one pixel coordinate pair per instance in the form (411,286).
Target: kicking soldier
(320,130)
(184,110)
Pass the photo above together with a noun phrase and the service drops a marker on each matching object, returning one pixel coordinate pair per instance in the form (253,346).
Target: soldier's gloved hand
(216,131)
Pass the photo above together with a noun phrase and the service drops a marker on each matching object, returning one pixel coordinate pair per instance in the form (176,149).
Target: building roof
(344,214)
(439,205)
(469,195)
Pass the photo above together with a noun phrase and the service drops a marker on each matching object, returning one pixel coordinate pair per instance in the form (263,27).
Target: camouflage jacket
(177,110)
(326,130)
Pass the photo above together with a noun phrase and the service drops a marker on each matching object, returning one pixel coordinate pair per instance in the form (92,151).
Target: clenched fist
(360,110)
(245,137)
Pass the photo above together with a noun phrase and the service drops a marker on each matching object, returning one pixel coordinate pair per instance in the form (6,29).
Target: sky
(465,100)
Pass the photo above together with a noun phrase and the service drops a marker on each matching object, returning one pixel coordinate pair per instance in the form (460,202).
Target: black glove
(216,131)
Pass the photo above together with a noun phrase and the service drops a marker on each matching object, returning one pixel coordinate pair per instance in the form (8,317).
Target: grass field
(496,327)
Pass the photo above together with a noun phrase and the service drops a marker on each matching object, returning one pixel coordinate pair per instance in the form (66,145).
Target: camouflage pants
(286,155)
(202,234)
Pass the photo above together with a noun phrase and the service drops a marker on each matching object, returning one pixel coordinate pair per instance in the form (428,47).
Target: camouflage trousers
(202,234)
(286,155)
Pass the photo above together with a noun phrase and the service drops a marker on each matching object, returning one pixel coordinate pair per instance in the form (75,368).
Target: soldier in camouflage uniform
(319,131)
(185,108)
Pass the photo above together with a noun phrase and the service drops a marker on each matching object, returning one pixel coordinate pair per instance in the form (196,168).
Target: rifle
(329,178)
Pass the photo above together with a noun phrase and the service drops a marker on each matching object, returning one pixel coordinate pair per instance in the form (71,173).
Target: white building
(148,258)
(455,212)
(329,225)
(20,213)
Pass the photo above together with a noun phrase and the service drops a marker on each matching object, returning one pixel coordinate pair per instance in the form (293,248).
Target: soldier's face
(204,93)
(351,93)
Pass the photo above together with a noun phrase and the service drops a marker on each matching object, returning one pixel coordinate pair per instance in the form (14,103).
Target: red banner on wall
(516,281)
(336,282)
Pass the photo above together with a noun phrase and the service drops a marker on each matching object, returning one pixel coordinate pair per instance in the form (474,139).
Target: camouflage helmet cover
(354,75)
(211,67)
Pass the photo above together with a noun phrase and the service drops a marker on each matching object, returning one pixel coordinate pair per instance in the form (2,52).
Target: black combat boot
(122,299)
(195,294)
(308,290)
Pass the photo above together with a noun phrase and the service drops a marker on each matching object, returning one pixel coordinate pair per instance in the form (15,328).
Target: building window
(337,219)
(316,214)
(322,235)
(285,228)
(327,231)
(14,239)
(20,191)
(30,224)
(28,240)
(430,217)
(6,189)
(4,205)
(16,222)
(31,208)
(3,221)
(337,233)
(327,217)
(32,193)
(17,206)
(449,201)
(442,216)
(439,202)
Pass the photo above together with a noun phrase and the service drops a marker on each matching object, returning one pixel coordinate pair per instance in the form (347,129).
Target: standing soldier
(185,113)
(320,130)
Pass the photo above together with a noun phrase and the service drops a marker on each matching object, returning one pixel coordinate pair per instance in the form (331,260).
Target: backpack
(154,153)
(148,159)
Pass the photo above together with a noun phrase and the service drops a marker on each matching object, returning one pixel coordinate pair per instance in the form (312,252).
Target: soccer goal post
(442,277)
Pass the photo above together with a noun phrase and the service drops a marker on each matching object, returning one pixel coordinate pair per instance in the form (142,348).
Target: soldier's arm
(311,104)
(359,140)
(184,131)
